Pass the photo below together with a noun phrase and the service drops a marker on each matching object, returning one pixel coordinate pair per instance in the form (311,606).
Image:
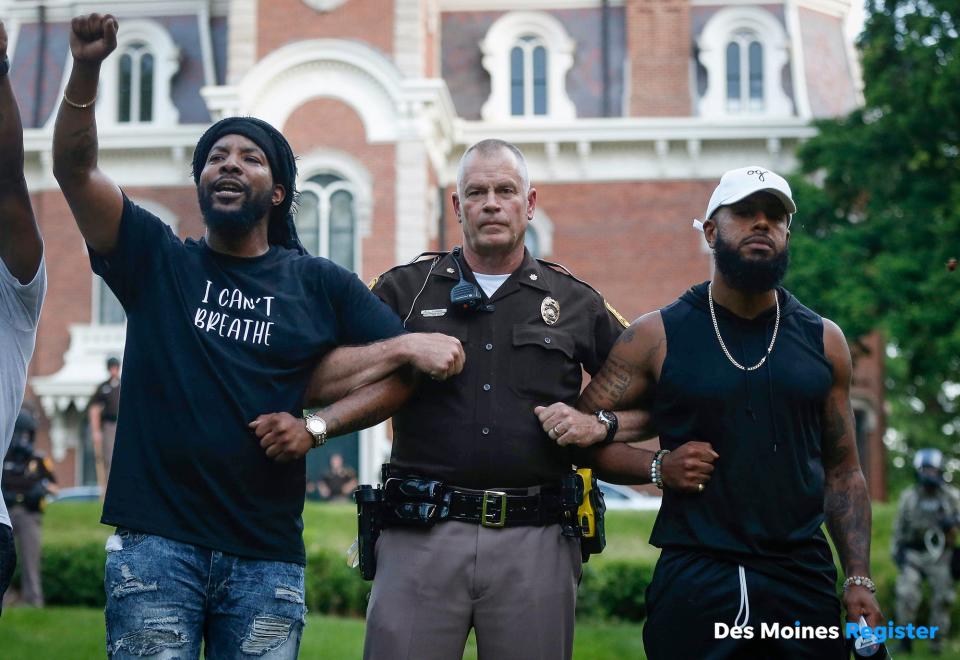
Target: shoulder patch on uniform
(373,282)
(420,258)
(428,253)
(624,322)
(563,270)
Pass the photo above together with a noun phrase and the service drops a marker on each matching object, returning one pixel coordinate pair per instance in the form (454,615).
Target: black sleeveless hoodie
(763,507)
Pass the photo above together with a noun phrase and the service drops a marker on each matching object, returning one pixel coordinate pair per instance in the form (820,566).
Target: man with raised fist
(206,491)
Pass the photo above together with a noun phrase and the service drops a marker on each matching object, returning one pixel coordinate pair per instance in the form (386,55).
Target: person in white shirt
(23,282)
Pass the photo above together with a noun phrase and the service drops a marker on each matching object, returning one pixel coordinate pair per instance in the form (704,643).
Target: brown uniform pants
(27,530)
(515,586)
(109,435)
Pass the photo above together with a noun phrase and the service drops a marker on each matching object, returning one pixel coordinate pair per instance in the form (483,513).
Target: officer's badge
(550,310)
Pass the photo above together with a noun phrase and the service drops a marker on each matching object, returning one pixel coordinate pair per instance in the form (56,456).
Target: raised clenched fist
(93,37)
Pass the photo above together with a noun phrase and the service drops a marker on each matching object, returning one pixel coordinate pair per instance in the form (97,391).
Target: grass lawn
(78,632)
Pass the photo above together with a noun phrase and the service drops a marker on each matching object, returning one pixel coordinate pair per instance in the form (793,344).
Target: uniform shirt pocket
(543,367)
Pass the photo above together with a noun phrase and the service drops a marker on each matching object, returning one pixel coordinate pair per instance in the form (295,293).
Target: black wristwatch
(608,419)
(4,66)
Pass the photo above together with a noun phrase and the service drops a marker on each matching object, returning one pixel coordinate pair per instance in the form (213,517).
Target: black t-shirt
(107,395)
(213,341)
(763,507)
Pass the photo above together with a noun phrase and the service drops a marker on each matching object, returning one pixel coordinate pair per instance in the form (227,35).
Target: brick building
(628,112)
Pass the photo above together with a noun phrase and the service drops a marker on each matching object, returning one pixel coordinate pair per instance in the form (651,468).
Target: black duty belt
(412,501)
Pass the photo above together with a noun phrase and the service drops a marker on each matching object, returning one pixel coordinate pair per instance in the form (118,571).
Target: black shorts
(8,560)
(694,601)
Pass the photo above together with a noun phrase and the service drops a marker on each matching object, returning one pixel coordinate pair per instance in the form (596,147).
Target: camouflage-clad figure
(923,537)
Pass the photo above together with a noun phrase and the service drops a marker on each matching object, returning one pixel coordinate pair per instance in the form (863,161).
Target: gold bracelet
(78,106)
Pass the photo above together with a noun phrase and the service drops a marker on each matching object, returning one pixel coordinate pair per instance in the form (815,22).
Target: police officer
(497,561)
(103,411)
(27,480)
(922,545)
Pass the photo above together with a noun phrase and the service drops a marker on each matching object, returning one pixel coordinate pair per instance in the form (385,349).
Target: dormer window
(135,84)
(528,77)
(527,55)
(744,73)
(744,53)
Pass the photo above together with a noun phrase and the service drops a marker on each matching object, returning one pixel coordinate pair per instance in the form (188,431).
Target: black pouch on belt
(413,502)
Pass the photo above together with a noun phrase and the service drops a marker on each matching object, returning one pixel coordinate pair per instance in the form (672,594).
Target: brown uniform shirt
(478,429)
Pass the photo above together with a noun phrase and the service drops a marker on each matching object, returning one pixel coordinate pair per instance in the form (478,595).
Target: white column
(408,37)
(241,39)
(374,451)
(412,213)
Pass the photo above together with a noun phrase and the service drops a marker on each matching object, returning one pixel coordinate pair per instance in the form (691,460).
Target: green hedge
(613,589)
(613,584)
(73,575)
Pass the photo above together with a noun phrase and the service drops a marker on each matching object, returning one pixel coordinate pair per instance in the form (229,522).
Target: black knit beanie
(281,230)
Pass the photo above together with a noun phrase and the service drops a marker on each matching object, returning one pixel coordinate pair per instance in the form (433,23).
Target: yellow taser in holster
(590,516)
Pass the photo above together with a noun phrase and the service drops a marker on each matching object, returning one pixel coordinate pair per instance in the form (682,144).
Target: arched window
(532,242)
(135,82)
(107,310)
(326,219)
(539,236)
(527,55)
(744,73)
(744,51)
(528,77)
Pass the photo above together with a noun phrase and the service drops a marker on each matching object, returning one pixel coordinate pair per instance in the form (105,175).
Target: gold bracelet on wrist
(78,106)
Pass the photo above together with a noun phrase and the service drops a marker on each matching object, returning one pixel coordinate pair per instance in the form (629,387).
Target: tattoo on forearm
(83,148)
(847,510)
(613,380)
(343,422)
(835,429)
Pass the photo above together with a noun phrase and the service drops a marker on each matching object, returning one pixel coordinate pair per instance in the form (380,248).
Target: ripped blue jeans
(165,598)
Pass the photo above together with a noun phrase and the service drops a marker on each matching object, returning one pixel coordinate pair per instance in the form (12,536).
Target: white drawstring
(744,601)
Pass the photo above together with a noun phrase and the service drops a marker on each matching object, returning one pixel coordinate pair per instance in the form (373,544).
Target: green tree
(874,238)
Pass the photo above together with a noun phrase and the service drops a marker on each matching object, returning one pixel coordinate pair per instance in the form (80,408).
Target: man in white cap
(750,393)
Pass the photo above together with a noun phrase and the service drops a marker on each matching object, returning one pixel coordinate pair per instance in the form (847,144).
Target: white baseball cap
(742,182)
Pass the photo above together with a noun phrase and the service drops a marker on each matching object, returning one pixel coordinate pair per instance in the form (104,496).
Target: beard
(236,223)
(749,275)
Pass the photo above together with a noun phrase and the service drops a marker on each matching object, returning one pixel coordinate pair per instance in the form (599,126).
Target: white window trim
(542,227)
(356,180)
(771,36)
(323,6)
(496,46)
(527,47)
(159,210)
(166,62)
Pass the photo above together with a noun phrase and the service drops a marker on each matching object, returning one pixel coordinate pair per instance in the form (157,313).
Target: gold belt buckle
(491,497)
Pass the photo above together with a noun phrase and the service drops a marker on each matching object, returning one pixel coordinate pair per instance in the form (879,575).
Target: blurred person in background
(924,531)
(339,482)
(27,481)
(103,412)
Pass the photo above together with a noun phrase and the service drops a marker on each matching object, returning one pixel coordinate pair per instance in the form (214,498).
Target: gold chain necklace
(716,328)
